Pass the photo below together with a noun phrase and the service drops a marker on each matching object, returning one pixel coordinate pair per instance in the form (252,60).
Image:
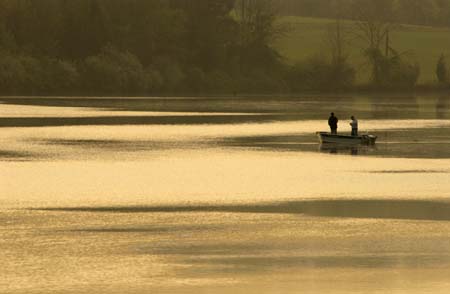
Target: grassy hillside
(418,43)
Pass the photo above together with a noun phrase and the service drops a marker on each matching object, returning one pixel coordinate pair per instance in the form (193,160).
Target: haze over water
(222,195)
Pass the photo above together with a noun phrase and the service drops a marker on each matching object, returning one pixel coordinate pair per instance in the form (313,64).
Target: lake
(223,195)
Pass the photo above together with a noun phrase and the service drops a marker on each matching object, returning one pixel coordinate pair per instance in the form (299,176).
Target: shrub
(21,74)
(49,75)
(403,76)
(442,70)
(219,82)
(113,71)
(174,79)
(37,78)
(12,73)
(64,75)
(195,80)
(155,80)
(392,72)
(319,74)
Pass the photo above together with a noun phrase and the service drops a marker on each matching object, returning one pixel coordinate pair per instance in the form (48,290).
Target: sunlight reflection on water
(374,223)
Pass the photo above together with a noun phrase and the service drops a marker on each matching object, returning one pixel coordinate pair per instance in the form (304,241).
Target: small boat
(343,139)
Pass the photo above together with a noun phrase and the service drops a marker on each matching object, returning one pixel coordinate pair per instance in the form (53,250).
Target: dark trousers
(334,131)
(355,132)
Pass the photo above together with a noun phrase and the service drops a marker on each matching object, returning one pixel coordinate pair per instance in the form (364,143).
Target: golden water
(209,196)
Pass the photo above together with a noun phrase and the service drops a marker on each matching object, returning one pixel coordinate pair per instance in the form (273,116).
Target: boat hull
(326,138)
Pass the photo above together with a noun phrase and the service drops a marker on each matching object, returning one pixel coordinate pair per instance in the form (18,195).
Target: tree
(374,24)
(113,71)
(210,31)
(341,73)
(258,30)
(153,42)
(442,71)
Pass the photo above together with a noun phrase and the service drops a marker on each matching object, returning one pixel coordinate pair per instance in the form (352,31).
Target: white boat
(349,140)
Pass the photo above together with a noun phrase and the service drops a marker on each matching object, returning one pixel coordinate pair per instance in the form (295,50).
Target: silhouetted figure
(333,123)
(354,125)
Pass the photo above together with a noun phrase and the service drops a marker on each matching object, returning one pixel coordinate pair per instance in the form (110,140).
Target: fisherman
(333,123)
(354,125)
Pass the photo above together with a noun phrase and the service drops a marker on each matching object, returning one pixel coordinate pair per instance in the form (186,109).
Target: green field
(424,45)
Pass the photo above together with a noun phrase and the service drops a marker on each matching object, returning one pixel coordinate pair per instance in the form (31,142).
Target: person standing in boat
(333,123)
(354,125)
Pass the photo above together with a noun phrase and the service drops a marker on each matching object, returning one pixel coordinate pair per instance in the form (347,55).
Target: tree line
(137,46)
(145,47)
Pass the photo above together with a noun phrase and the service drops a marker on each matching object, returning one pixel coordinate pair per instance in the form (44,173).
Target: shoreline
(421,90)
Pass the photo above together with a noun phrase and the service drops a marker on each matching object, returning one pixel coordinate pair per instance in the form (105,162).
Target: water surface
(223,195)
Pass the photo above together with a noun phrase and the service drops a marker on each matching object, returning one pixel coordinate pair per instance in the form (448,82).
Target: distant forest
(147,47)
(420,12)
(137,47)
